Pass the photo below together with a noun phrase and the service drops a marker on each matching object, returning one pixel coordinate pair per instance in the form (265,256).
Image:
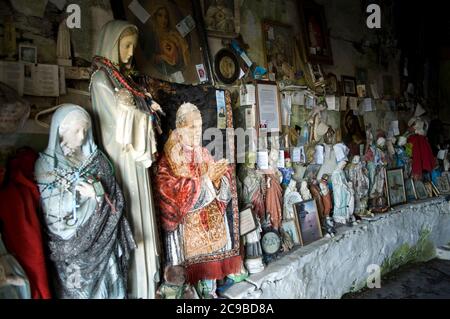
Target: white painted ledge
(330,268)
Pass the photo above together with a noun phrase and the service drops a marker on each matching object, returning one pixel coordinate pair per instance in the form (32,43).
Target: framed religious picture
(421,190)
(278,50)
(353,130)
(222,18)
(410,190)
(395,187)
(446,175)
(349,85)
(429,188)
(311,171)
(268,102)
(308,222)
(316,39)
(361,90)
(436,191)
(332,84)
(172,44)
(315,71)
(27,53)
(226,66)
(290,227)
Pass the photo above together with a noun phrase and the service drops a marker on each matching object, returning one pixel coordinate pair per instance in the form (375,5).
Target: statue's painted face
(127,46)
(191,132)
(73,132)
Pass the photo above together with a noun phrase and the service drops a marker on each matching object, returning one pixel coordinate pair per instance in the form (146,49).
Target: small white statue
(304,191)
(63,51)
(291,197)
(343,195)
(357,174)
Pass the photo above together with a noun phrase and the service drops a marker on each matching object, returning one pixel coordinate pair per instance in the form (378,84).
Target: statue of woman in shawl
(193,194)
(125,117)
(89,239)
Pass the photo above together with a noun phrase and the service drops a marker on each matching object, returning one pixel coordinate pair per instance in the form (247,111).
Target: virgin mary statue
(125,118)
(89,239)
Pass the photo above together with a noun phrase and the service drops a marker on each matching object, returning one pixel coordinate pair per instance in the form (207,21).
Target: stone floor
(429,280)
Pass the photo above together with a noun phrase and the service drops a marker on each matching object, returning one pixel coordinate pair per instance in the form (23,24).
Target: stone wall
(330,268)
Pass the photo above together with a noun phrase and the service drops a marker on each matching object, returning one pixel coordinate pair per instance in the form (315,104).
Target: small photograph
(421,190)
(443,185)
(396,187)
(290,228)
(308,220)
(361,89)
(429,189)
(311,171)
(349,85)
(410,190)
(27,53)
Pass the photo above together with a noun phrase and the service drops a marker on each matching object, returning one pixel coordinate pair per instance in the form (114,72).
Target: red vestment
(21,226)
(422,155)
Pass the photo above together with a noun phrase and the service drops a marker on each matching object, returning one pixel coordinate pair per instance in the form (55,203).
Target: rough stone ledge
(329,268)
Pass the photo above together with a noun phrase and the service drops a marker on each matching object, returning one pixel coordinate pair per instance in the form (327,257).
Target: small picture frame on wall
(268,102)
(316,40)
(332,84)
(308,222)
(226,66)
(349,85)
(222,18)
(27,53)
(278,50)
(395,187)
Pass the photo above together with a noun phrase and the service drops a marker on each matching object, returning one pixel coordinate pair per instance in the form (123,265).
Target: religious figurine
(287,172)
(131,156)
(401,157)
(327,206)
(417,124)
(63,51)
(273,200)
(175,286)
(89,238)
(291,197)
(343,196)
(13,280)
(357,174)
(304,190)
(253,189)
(376,164)
(194,192)
(329,158)
(253,251)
